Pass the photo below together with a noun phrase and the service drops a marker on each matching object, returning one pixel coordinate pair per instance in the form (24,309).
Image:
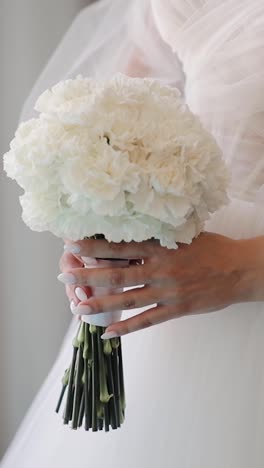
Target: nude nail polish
(80,294)
(67,278)
(72,248)
(109,335)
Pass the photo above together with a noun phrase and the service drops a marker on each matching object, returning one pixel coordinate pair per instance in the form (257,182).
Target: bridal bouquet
(122,159)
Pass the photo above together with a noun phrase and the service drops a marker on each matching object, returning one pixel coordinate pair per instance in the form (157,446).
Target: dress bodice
(221,47)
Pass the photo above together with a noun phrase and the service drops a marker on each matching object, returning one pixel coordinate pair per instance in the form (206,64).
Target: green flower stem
(94,401)
(121,378)
(94,378)
(65,381)
(78,387)
(87,341)
(87,373)
(112,402)
(60,398)
(104,394)
(106,417)
(72,397)
(87,355)
(89,381)
(116,378)
(90,400)
(101,424)
(81,411)
(81,333)
(69,401)
(100,410)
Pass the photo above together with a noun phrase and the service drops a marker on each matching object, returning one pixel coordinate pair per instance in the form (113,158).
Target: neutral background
(34,310)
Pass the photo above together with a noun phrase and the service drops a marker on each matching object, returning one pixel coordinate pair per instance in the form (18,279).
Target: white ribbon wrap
(104,319)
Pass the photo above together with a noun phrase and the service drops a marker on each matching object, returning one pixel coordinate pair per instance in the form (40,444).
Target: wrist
(251,269)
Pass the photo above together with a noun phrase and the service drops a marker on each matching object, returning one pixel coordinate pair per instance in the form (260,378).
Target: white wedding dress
(195,386)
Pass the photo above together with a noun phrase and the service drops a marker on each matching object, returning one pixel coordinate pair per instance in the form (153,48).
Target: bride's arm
(150,55)
(137,66)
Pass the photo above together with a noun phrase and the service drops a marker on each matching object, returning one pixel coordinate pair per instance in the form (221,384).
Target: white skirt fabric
(195,386)
(195,391)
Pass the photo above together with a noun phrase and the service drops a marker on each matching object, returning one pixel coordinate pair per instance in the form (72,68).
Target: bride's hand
(210,274)
(75,294)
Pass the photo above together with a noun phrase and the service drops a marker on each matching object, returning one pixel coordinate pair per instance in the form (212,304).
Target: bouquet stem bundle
(94,382)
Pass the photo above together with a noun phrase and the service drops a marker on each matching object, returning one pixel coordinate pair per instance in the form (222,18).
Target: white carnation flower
(125,158)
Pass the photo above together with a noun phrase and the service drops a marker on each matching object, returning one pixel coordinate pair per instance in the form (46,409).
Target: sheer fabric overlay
(221,48)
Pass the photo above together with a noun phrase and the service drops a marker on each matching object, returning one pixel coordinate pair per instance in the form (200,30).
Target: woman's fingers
(70,292)
(74,293)
(161,313)
(132,299)
(100,248)
(148,318)
(134,275)
(69,261)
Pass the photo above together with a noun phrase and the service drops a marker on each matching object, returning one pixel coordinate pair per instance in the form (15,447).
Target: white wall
(34,312)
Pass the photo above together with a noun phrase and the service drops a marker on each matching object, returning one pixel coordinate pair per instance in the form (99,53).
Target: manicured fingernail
(82,310)
(89,261)
(82,296)
(72,306)
(109,335)
(72,248)
(67,278)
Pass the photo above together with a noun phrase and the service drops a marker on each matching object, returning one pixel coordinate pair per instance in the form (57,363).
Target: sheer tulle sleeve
(221,47)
